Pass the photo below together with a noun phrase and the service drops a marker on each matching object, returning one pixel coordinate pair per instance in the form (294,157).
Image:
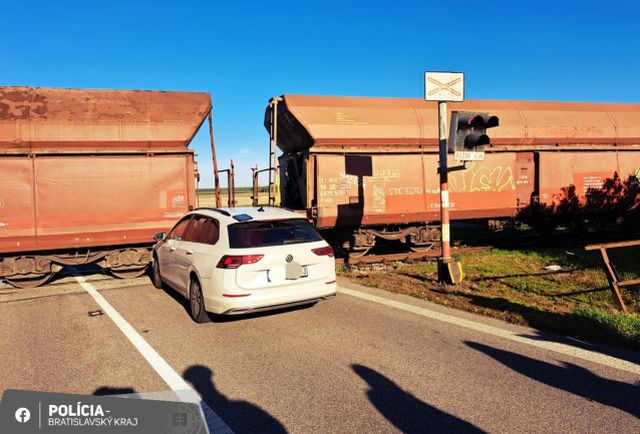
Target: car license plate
(295,271)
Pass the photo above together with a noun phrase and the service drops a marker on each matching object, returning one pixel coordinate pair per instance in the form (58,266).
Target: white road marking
(557,347)
(181,388)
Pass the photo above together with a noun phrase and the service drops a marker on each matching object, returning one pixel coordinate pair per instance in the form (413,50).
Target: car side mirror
(159,236)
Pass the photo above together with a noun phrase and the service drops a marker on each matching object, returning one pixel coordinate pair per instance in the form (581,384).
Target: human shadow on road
(570,378)
(240,416)
(405,411)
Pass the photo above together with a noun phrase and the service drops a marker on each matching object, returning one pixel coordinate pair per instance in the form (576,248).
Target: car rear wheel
(196,302)
(156,277)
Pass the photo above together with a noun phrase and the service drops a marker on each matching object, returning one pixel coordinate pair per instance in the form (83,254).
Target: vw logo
(289,258)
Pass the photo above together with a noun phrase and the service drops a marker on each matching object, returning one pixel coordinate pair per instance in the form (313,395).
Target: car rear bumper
(263,300)
(242,310)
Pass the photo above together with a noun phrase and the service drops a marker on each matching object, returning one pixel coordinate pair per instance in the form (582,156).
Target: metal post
(256,187)
(254,178)
(197,176)
(232,185)
(228,172)
(444,193)
(273,161)
(229,197)
(216,178)
(272,151)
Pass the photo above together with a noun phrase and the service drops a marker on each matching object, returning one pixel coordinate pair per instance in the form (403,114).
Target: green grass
(514,285)
(604,325)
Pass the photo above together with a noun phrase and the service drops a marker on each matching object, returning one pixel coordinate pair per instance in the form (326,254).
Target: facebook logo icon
(23,415)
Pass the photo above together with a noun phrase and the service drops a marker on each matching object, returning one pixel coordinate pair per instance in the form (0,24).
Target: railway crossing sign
(444,86)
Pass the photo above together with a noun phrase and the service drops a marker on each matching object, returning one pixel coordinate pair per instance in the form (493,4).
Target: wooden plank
(629,282)
(613,245)
(613,278)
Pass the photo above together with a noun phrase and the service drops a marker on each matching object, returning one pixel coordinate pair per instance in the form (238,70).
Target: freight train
(88,176)
(365,169)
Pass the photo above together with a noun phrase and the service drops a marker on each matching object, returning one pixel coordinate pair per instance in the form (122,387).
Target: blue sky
(243,53)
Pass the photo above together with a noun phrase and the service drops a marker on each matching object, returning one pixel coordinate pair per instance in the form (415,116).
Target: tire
(196,303)
(156,277)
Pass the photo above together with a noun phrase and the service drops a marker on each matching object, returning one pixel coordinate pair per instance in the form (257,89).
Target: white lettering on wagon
(386,174)
(178,201)
(336,189)
(172,215)
(405,191)
(379,198)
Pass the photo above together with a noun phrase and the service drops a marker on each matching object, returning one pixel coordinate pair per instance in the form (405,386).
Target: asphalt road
(344,365)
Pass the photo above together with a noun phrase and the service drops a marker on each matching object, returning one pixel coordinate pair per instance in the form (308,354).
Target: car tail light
(323,251)
(229,261)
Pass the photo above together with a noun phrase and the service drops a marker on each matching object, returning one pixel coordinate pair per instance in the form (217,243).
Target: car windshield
(271,233)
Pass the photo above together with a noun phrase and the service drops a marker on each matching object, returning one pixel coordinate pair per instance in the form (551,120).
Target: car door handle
(189,252)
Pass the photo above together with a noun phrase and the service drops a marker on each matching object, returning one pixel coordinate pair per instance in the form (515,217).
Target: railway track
(404,257)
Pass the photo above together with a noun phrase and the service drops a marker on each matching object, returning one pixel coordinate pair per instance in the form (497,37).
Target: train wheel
(128,274)
(29,282)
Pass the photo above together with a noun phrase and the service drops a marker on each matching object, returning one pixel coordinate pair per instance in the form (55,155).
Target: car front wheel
(196,302)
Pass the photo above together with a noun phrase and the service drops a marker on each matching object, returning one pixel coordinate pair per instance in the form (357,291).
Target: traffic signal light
(468,134)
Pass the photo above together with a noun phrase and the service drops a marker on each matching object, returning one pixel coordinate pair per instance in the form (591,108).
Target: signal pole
(442,87)
(445,231)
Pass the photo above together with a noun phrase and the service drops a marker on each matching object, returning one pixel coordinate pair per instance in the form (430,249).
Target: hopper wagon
(88,176)
(365,169)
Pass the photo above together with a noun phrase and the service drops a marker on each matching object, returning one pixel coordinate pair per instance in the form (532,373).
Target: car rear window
(271,233)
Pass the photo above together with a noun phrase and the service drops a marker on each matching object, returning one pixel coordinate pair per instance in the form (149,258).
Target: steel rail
(406,256)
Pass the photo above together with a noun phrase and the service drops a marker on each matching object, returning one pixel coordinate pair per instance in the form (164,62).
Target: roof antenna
(261,209)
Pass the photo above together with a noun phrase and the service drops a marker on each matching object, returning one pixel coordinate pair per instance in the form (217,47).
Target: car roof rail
(221,211)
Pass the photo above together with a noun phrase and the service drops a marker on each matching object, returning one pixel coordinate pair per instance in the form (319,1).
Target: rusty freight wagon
(88,176)
(366,168)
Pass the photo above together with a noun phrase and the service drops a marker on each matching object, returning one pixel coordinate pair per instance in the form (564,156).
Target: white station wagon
(240,260)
